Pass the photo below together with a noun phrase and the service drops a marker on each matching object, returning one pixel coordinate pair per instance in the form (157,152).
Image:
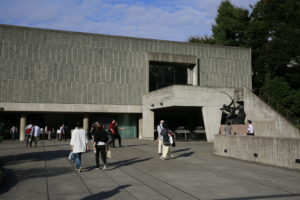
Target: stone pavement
(136,172)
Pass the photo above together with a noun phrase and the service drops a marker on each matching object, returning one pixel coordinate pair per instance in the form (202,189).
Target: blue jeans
(77,157)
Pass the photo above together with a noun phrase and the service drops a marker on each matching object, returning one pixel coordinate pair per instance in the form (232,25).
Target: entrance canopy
(190,102)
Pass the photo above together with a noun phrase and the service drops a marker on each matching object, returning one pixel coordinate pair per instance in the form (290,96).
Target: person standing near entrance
(100,138)
(78,144)
(14,132)
(159,136)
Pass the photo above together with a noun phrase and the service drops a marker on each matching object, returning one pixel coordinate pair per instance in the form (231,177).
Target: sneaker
(172,156)
(79,170)
(162,158)
(104,167)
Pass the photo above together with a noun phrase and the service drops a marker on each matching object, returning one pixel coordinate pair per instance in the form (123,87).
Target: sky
(175,20)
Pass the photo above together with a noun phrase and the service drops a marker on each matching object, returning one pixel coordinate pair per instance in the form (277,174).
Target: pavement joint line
(119,184)
(78,174)
(46,169)
(227,175)
(280,187)
(159,181)
(105,175)
(142,182)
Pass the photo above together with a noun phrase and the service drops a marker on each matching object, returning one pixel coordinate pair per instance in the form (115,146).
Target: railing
(285,112)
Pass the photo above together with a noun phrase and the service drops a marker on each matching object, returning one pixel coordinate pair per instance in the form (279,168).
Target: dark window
(163,74)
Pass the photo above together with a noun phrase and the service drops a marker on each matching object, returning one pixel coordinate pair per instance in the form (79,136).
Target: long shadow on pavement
(14,177)
(187,154)
(106,194)
(33,156)
(180,150)
(126,162)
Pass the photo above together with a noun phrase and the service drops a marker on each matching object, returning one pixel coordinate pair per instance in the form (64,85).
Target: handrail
(287,113)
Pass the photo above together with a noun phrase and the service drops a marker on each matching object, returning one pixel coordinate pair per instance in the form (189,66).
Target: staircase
(283,111)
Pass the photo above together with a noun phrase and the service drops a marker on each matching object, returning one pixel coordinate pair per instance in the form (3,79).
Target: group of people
(250,128)
(101,139)
(166,139)
(33,132)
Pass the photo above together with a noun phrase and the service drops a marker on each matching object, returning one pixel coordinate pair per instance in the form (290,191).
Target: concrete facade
(60,67)
(60,71)
(281,152)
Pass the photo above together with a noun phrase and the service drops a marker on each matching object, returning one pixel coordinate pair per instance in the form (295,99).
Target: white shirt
(35,131)
(79,140)
(250,128)
(159,129)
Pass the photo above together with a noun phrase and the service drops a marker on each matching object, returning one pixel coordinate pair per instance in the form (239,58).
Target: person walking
(160,137)
(79,141)
(100,139)
(62,132)
(114,133)
(28,138)
(14,132)
(165,132)
(35,133)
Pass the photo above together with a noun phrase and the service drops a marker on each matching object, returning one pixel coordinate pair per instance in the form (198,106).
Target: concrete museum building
(54,77)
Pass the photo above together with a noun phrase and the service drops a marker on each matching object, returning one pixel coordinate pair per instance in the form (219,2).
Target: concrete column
(212,121)
(140,127)
(148,125)
(22,126)
(195,75)
(86,122)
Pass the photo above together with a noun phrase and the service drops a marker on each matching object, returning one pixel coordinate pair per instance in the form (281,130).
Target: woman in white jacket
(79,141)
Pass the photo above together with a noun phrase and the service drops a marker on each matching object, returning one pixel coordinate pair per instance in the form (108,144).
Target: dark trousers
(114,137)
(27,137)
(100,149)
(35,140)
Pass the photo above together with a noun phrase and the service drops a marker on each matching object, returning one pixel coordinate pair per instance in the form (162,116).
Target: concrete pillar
(212,120)
(148,125)
(86,122)
(22,126)
(195,75)
(140,127)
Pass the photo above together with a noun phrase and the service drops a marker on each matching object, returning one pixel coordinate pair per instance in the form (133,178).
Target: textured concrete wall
(210,99)
(266,121)
(48,66)
(280,152)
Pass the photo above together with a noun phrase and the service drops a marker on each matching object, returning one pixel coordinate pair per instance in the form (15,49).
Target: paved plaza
(136,172)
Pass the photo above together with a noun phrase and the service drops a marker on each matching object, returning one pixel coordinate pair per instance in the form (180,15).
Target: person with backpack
(167,142)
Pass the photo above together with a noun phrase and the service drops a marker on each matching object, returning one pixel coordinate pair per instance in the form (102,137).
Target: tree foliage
(230,27)
(272,30)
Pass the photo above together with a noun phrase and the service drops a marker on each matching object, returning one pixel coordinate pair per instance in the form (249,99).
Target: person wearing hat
(250,128)
(160,137)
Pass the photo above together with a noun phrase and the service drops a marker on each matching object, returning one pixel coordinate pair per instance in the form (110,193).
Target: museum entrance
(186,122)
